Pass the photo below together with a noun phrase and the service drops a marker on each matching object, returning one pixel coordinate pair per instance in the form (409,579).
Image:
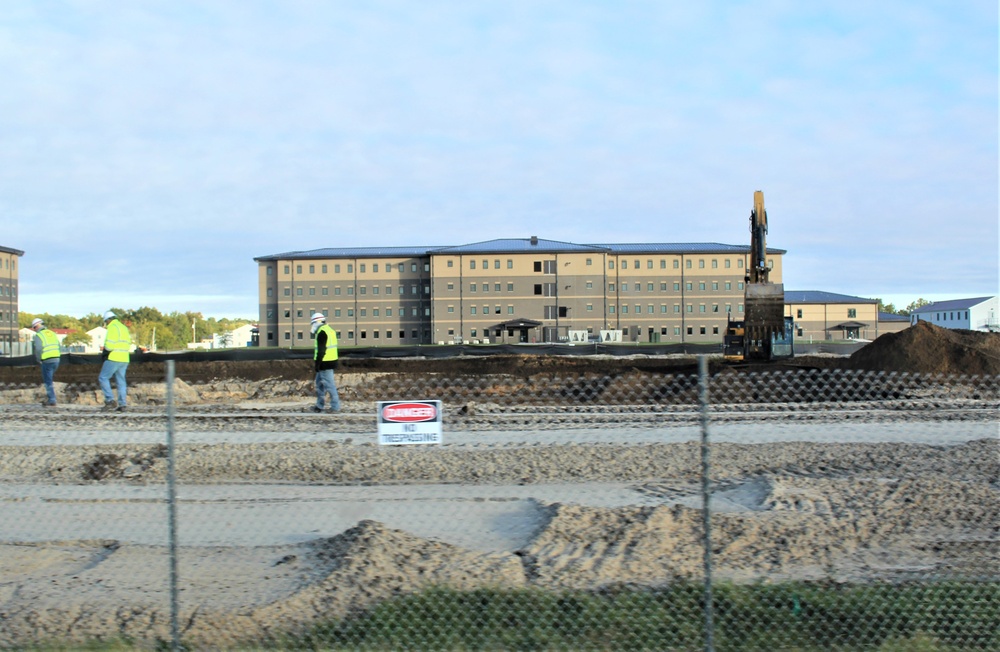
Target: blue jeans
(116,369)
(48,373)
(325,383)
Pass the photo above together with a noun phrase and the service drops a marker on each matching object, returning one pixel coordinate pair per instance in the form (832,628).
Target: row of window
(540,266)
(350,312)
(950,316)
(389,334)
(362,268)
(349,291)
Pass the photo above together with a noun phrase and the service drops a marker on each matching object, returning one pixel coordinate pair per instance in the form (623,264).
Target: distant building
(506,290)
(889,322)
(8,298)
(821,316)
(976,314)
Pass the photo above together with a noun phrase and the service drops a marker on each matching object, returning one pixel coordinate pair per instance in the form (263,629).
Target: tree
(919,303)
(76,337)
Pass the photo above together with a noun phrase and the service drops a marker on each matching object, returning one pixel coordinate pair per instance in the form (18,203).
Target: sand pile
(928,349)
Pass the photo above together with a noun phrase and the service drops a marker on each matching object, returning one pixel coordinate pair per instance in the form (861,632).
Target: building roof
(681,248)
(847,324)
(11,250)
(517,245)
(350,252)
(891,316)
(818,296)
(953,304)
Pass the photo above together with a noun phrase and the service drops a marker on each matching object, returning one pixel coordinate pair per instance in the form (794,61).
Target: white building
(976,314)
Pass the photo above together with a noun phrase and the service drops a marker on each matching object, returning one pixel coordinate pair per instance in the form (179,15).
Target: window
(451,263)
(312,269)
(677,307)
(287,271)
(472,310)
(701,330)
(298,292)
(510,263)
(288,313)
(611,264)
(649,309)
(701,307)
(363,312)
(677,263)
(611,310)
(798,313)
(638,287)
(689,286)
(715,264)
(510,310)
(498,310)
(270,292)
(401,267)
(649,264)
(739,263)
(472,264)
(649,287)
(298,269)
(624,309)
(690,331)
(361,268)
(715,285)
(336,268)
(715,330)
(701,286)
(363,289)
(728,262)
(325,291)
(677,287)
(687,263)
(486,264)
(589,262)
(701,263)
(472,287)
(510,287)
(590,307)
(270,272)
(350,268)
(312,292)
(451,286)
(374,312)
(350,312)
(496,264)
(451,308)
(729,285)
(336,312)
(852,313)
(413,268)
(624,264)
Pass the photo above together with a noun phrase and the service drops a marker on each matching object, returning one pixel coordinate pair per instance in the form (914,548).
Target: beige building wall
(8,297)
(445,296)
(818,322)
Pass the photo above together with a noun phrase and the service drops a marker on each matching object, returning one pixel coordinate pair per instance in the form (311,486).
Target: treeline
(172,331)
(893,310)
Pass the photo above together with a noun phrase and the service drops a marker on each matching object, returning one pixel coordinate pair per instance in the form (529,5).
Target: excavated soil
(832,512)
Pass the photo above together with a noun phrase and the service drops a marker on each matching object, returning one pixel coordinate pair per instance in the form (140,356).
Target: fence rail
(806,510)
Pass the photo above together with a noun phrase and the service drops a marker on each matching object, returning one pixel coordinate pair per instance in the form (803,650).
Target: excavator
(764,333)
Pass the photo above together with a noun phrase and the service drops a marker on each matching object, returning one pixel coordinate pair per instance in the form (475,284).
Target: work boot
(109,406)
(315,408)
(120,408)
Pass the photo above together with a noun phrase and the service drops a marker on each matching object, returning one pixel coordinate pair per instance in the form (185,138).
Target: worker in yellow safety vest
(117,344)
(325,358)
(45,345)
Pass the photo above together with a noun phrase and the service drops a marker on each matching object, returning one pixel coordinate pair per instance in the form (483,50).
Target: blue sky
(149,151)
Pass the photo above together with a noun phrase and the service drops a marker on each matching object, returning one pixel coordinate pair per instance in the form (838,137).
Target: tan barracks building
(8,297)
(507,290)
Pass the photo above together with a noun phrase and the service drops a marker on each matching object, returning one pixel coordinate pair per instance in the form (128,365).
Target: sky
(150,150)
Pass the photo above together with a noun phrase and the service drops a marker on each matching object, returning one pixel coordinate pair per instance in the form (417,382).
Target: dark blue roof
(351,252)
(10,250)
(680,248)
(891,316)
(818,296)
(519,245)
(952,304)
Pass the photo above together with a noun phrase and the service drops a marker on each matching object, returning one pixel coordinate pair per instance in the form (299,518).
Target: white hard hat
(36,322)
(109,315)
(318,316)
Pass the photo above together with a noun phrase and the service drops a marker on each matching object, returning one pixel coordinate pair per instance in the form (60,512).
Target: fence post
(175,640)
(706,497)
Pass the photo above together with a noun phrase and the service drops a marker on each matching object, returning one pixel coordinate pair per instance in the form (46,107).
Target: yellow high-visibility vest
(331,343)
(50,344)
(118,341)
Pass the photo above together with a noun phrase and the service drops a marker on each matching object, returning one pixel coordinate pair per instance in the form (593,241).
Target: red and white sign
(409,422)
(409,412)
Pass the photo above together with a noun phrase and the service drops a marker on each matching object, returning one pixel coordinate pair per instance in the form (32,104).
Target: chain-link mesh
(561,511)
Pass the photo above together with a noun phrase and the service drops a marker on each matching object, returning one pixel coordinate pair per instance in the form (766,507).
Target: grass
(799,617)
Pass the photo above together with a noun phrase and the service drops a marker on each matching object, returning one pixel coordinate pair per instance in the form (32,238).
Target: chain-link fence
(724,509)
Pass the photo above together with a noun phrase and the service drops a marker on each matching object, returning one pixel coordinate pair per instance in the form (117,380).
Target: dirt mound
(928,349)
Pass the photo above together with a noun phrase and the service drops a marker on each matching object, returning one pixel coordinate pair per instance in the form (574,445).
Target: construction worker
(117,343)
(45,345)
(325,356)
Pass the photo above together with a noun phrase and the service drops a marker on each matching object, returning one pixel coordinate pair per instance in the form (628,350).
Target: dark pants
(48,374)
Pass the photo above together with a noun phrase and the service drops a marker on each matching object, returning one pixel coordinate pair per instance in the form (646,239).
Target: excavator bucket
(764,317)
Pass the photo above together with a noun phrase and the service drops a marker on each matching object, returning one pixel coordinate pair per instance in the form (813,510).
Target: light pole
(193,332)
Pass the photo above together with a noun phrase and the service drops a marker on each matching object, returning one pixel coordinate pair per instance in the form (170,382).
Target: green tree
(76,337)
(919,303)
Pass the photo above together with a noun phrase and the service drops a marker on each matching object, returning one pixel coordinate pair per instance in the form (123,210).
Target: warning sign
(409,422)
